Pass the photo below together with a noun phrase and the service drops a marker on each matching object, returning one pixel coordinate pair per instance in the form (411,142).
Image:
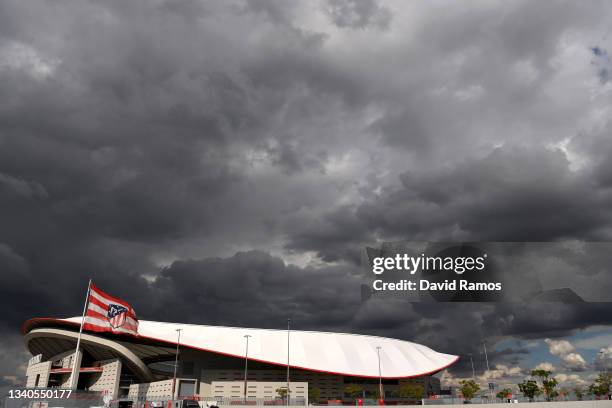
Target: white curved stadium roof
(334,353)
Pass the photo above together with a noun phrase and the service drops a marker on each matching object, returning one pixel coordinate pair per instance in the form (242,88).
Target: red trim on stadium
(27,326)
(81,370)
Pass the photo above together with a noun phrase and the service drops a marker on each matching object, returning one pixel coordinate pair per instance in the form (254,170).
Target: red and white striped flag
(109,314)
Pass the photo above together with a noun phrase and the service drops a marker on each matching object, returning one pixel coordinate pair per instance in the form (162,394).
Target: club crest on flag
(117,315)
(106,313)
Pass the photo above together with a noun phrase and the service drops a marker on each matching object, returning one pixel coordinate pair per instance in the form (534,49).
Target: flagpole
(73,384)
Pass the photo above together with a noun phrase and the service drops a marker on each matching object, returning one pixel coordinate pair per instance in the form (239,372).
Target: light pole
(380,386)
(605,368)
(178,342)
(472,361)
(246,365)
(484,344)
(288,337)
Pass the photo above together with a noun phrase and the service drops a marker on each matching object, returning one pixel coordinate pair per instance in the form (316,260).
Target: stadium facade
(211,363)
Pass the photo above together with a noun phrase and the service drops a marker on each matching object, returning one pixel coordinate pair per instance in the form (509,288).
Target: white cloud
(545,366)
(566,352)
(559,347)
(570,379)
(502,371)
(504,376)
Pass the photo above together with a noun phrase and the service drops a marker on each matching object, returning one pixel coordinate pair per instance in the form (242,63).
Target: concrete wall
(151,391)
(257,389)
(108,380)
(42,369)
(331,386)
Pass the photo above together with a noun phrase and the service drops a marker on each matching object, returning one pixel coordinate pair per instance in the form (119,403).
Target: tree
(282,392)
(503,394)
(353,390)
(468,389)
(414,391)
(314,394)
(601,385)
(604,380)
(553,393)
(548,384)
(530,389)
(549,388)
(579,392)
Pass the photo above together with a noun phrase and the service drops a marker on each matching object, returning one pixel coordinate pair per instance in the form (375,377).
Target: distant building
(212,359)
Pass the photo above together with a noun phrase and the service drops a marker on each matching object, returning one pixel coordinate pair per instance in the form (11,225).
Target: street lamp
(380,386)
(288,337)
(178,342)
(246,365)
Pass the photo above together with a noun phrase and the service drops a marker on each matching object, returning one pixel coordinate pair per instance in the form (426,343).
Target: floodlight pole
(380,386)
(288,338)
(484,344)
(178,342)
(605,368)
(246,365)
(472,361)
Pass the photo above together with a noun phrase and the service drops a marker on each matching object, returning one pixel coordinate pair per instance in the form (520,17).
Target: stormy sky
(226,162)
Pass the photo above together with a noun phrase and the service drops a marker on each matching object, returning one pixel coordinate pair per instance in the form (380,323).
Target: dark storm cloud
(598,149)
(262,289)
(512,194)
(335,236)
(154,146)
(358,14)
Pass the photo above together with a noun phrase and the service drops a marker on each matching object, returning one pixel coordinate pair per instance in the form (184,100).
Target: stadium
(213,362)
